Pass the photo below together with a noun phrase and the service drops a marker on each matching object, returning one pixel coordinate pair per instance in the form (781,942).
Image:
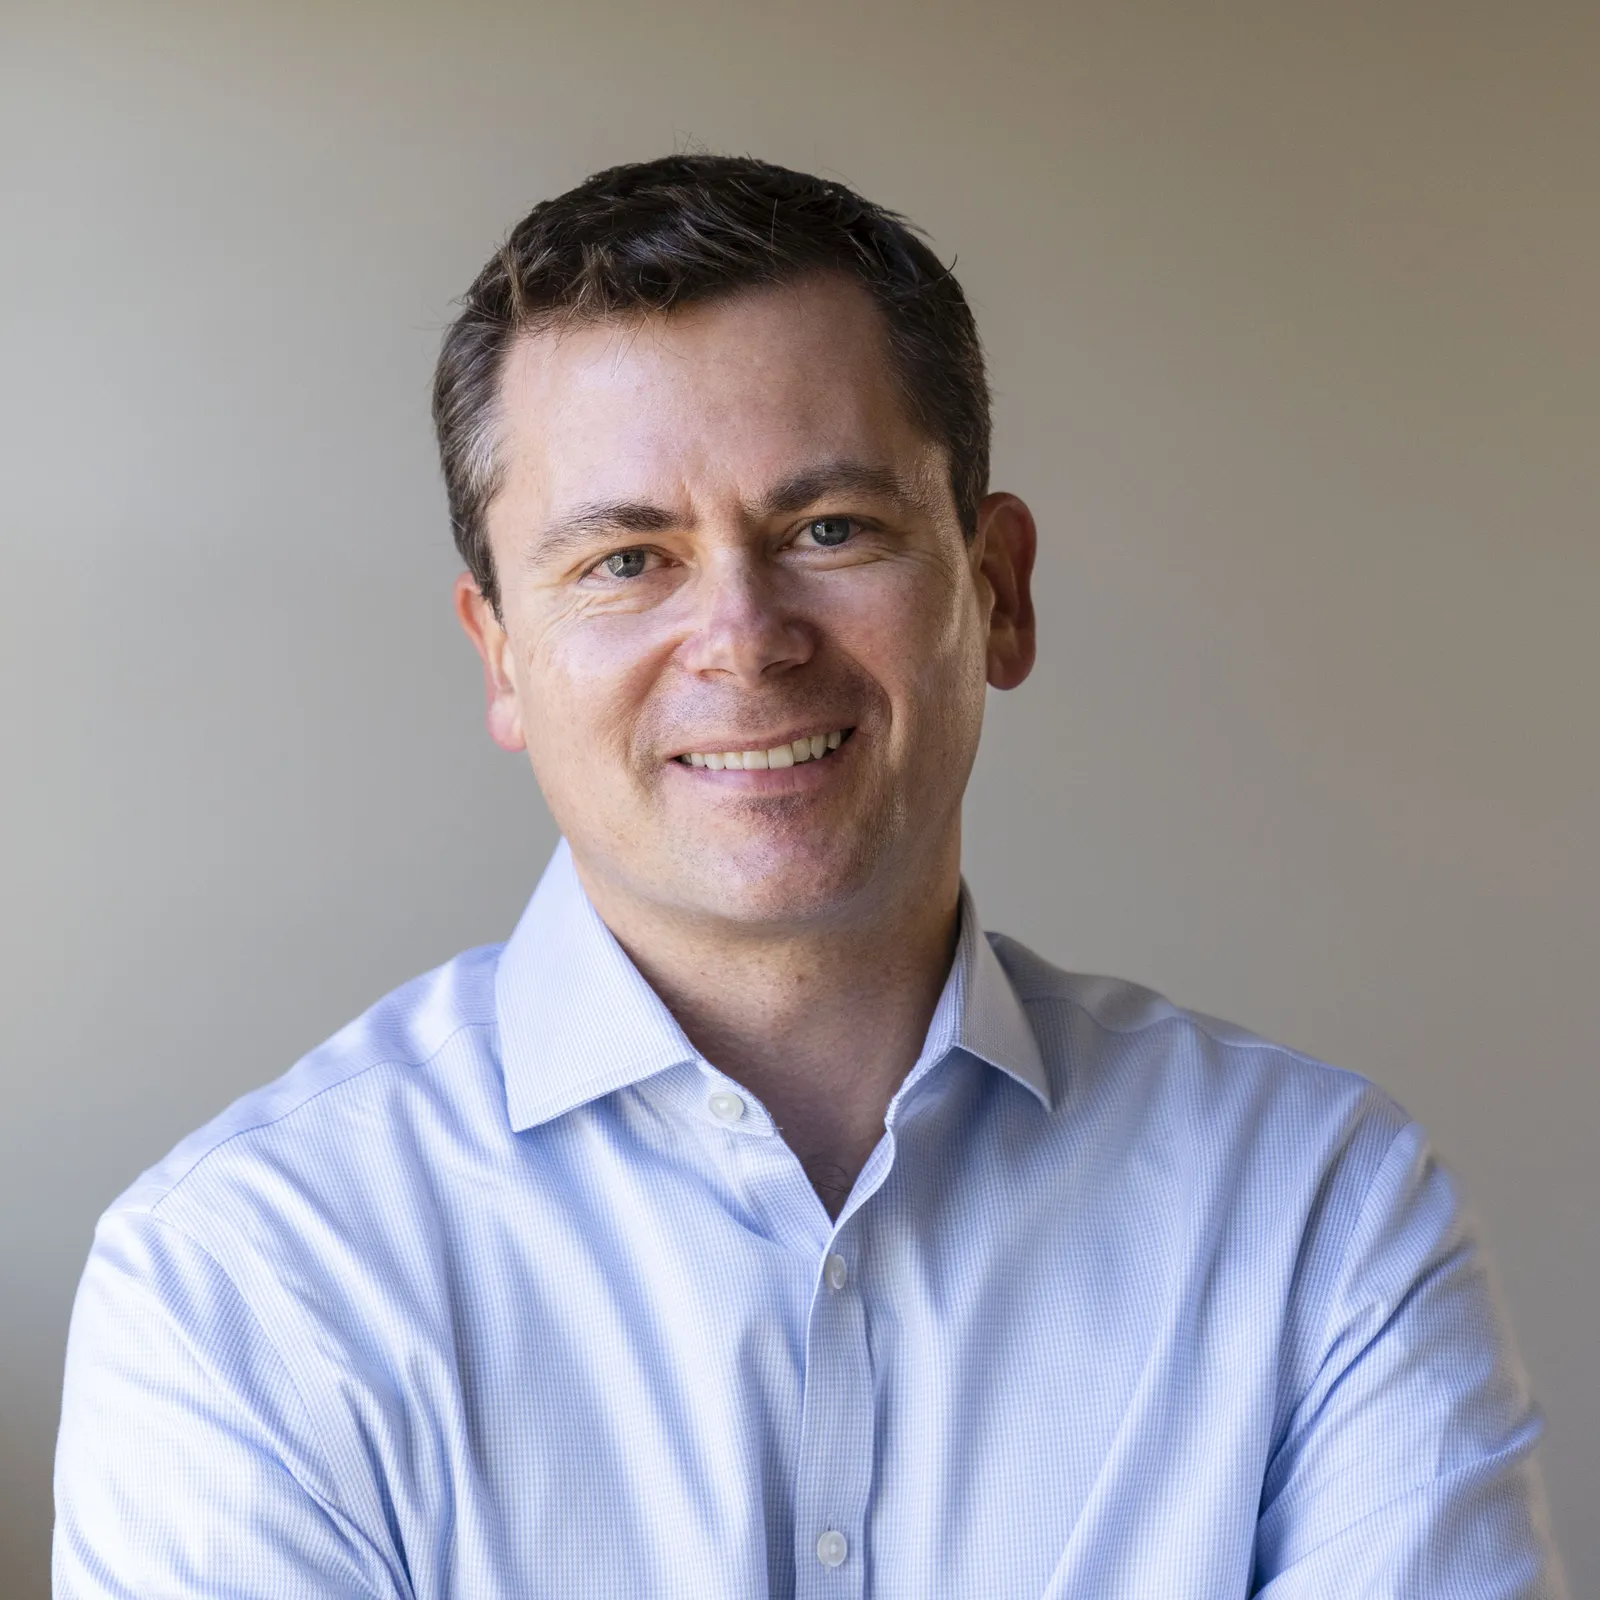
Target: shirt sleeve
(1407,1469)
(188,1464)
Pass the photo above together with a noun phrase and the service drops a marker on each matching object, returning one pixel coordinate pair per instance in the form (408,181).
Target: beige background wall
(1293,317)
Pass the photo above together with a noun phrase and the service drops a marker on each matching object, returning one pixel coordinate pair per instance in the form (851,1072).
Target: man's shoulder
(1106,1035)
(384,1065)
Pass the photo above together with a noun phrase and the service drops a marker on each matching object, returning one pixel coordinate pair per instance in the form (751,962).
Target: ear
(1003,552)
(504,710)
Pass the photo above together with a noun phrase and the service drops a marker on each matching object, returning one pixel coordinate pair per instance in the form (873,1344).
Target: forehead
(721,397)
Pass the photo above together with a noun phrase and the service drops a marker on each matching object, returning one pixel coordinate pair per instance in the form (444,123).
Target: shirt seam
(1193,1020)
(326,1500)
(1336,1279)
(417,1065)
(1355,1227)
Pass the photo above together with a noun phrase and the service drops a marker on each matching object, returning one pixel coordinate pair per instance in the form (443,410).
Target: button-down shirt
(506,1292)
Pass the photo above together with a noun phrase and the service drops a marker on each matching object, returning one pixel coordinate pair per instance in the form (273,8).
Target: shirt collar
(979,1012)
(578,1020)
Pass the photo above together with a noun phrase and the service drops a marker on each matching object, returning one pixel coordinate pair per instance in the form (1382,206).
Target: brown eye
(625,564)
(830,531)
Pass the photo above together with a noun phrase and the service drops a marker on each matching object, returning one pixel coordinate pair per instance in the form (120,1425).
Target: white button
(836,1272)
(725,1107)
(831,1548)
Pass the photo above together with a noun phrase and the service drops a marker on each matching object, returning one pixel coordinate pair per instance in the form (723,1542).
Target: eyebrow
(810,484)
(580,525)
(800,489)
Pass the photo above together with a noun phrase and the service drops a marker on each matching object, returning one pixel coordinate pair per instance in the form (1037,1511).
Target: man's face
(718,533)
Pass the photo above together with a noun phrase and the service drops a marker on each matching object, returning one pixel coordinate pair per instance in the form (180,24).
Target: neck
(822,1026)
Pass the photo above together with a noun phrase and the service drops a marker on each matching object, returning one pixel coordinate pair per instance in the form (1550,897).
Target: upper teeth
(780,755)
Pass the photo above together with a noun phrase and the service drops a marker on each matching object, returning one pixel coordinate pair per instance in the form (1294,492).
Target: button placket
(834,1467)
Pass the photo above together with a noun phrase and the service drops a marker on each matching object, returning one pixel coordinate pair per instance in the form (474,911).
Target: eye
(830,531)
(625,563)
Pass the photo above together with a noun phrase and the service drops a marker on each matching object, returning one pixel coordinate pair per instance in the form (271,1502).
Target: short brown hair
(655,235)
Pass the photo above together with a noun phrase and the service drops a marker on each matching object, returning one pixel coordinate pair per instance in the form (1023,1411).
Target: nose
(742,628)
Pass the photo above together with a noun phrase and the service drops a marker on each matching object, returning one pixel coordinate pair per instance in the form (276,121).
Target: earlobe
(502,709)
(1009,542)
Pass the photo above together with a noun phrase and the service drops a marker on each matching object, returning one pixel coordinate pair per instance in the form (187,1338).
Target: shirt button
(836,1272)
(725,1107)
(832,1549)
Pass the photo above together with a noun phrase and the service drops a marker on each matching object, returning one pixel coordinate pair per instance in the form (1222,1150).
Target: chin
(768,884)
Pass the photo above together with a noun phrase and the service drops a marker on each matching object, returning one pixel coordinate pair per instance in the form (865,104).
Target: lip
(798,779)
(763,741)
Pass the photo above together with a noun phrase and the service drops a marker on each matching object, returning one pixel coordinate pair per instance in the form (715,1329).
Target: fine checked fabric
(504,1292)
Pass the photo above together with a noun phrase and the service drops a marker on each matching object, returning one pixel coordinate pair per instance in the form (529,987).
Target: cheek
(584,686)
(915,629)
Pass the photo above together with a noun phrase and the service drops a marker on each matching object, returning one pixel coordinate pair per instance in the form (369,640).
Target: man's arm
(188,1463)
(1407,1470)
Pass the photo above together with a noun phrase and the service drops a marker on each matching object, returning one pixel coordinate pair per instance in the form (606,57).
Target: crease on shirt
(417,1065)
(1488,1467)
(325,1500)
(1451,1260)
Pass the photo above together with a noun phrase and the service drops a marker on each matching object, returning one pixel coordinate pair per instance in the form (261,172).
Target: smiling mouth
(815,747)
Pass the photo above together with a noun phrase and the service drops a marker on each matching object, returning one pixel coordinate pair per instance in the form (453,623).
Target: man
(752,1223)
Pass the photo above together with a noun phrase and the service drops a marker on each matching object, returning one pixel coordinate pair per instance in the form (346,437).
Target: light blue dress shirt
(504,1292)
